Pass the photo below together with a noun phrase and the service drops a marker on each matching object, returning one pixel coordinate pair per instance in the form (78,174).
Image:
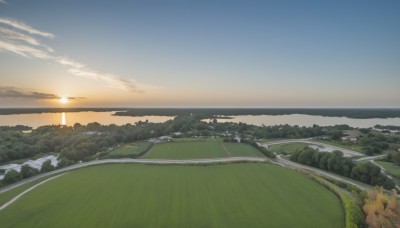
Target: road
(26,191)
(346,152)
(137,161)
(371,158)
(383,171)
(294,165)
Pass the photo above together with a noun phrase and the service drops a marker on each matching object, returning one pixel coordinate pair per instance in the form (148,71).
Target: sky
(264,54)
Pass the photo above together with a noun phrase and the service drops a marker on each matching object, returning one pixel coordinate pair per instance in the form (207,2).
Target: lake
(70,118)
(309,120)
(106,118)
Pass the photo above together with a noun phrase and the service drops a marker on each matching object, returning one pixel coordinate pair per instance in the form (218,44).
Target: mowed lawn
(130,149)
(127,195)
(241,150)
(289,148)
(202,149)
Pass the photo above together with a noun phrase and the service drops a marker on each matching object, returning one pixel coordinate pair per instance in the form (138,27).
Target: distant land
(359,113)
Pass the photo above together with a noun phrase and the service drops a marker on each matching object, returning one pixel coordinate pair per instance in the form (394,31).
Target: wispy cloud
(15,92)
(3,1)
(26,45)
(24,27)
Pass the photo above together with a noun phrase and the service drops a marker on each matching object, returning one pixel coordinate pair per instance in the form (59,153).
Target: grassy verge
(391,169)
(8,195)
(289,148)
(349,146)
(131,150)
(354,216)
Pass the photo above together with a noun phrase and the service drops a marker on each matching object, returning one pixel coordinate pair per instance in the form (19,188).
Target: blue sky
(205,53)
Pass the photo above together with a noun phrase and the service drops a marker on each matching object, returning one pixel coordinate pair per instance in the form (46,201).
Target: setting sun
(63,100)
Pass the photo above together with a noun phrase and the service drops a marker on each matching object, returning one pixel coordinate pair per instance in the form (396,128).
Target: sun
(64,100)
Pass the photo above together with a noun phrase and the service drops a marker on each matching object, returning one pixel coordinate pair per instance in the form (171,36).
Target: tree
(382,210)
(47,167)
(64,162)
(396,158)
(12,176)
(28,171)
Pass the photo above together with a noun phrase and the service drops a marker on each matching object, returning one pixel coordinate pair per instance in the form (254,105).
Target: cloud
(15,92)
(25,27)
(28,46)
(3,1)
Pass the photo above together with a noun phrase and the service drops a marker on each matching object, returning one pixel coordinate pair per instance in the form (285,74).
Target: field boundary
(352,212)
(15,198)
(224,148)
(208,161)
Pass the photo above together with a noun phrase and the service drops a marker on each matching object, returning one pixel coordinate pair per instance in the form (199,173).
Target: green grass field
(235,195)
(8,195)
(241,149)
(289,148)
(129,150)
(201,149)
(346,145)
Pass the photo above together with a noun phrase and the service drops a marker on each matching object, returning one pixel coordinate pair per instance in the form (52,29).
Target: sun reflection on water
(63,119)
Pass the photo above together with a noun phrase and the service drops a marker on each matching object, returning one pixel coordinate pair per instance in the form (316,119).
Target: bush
(12,176)
(64,162)
(47,167)
(27,171)
(353,214)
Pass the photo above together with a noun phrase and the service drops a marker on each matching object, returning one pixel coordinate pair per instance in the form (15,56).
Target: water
(309,120)
(106,118)
(70,118)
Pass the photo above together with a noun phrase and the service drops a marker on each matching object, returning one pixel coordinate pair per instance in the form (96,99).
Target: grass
(289,148)
(125,195)
(347,145)
(201,149)
(241,149)
(8,195)
(186,150)
(129,150)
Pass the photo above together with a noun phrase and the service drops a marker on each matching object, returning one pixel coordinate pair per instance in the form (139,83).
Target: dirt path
(224,148)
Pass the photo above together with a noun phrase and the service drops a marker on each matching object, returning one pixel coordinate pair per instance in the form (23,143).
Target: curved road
(294,165)
(346,152)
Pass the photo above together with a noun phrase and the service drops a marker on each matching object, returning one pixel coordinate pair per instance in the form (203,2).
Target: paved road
(294,165)
(371,158)
(26,191)
(383,171)
(137,161)
(346,152)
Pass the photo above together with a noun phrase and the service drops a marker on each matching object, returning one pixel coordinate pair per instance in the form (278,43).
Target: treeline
(335,162)
(15,128)
(374,143)
(79,142)
(387,127)
(27,171)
